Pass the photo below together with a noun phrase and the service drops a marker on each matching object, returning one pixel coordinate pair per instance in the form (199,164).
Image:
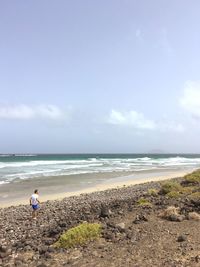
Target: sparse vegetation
(188,187)
(195,196)
(170,186)
(193,178)
(174,194)
(143,202)
(152,192)
(79,235)
(188,190)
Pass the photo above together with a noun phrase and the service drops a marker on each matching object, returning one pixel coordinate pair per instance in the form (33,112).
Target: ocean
(15,167)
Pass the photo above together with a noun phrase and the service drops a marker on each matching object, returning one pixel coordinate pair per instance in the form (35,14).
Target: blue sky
(99,76)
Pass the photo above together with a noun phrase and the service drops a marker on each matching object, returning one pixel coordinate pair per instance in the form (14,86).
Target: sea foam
(27,167)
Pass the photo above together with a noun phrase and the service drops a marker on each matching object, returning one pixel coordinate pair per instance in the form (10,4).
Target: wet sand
(51,188)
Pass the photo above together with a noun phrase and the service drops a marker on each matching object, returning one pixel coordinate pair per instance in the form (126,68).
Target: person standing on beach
(34,202)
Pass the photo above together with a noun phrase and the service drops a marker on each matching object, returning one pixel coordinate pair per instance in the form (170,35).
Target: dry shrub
(194,196)
(173,194)
(193,178)
(170,211)
(152,192)
(193,216)
(170,186)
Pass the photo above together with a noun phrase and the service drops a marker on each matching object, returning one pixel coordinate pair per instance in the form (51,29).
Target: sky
(99,76)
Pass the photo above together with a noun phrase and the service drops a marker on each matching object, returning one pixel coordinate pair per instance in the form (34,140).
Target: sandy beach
(54,188)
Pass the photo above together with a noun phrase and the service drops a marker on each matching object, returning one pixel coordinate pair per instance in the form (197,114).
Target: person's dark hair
(36,191)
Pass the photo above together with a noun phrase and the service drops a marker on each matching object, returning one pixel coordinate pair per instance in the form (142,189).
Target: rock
(181,238)
(8,265)
(42,265)
(43,249)
(176,218)
(63,224)
(140,218)
(196,203)
(120,212)
(27,248)
(53,232)
(129,234)
(51,249)
(95,253)
(105,212)
(69,261)
(197,258)
(48,241)
(18,263)
(36,257)
(47,255)
(3,249)
(3,255)
(109,236)
(121,226)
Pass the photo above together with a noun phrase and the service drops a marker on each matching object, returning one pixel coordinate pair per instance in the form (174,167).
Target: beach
(52,188)
(60,175)
(126,204)
(133,232)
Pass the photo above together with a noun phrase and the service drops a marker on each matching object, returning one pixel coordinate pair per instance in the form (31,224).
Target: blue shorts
(35,207)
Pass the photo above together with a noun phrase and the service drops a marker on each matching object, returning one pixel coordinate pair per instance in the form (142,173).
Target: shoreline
(112,183)
(127,225)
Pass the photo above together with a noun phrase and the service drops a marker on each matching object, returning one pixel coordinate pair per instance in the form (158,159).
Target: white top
(34,199)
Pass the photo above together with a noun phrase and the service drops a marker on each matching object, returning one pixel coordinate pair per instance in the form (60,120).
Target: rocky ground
(132,234)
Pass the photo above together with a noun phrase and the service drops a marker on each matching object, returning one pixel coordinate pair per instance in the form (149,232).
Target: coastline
(133,232)
(113,182)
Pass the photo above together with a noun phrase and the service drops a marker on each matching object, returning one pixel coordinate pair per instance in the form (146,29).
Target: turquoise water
(30,166)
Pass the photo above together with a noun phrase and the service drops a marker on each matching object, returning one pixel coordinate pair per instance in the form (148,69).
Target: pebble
(181,238)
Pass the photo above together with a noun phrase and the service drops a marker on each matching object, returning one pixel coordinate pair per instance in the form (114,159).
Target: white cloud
(138,121)
(190,100)
(170,127)
(25,112)
(131,118)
